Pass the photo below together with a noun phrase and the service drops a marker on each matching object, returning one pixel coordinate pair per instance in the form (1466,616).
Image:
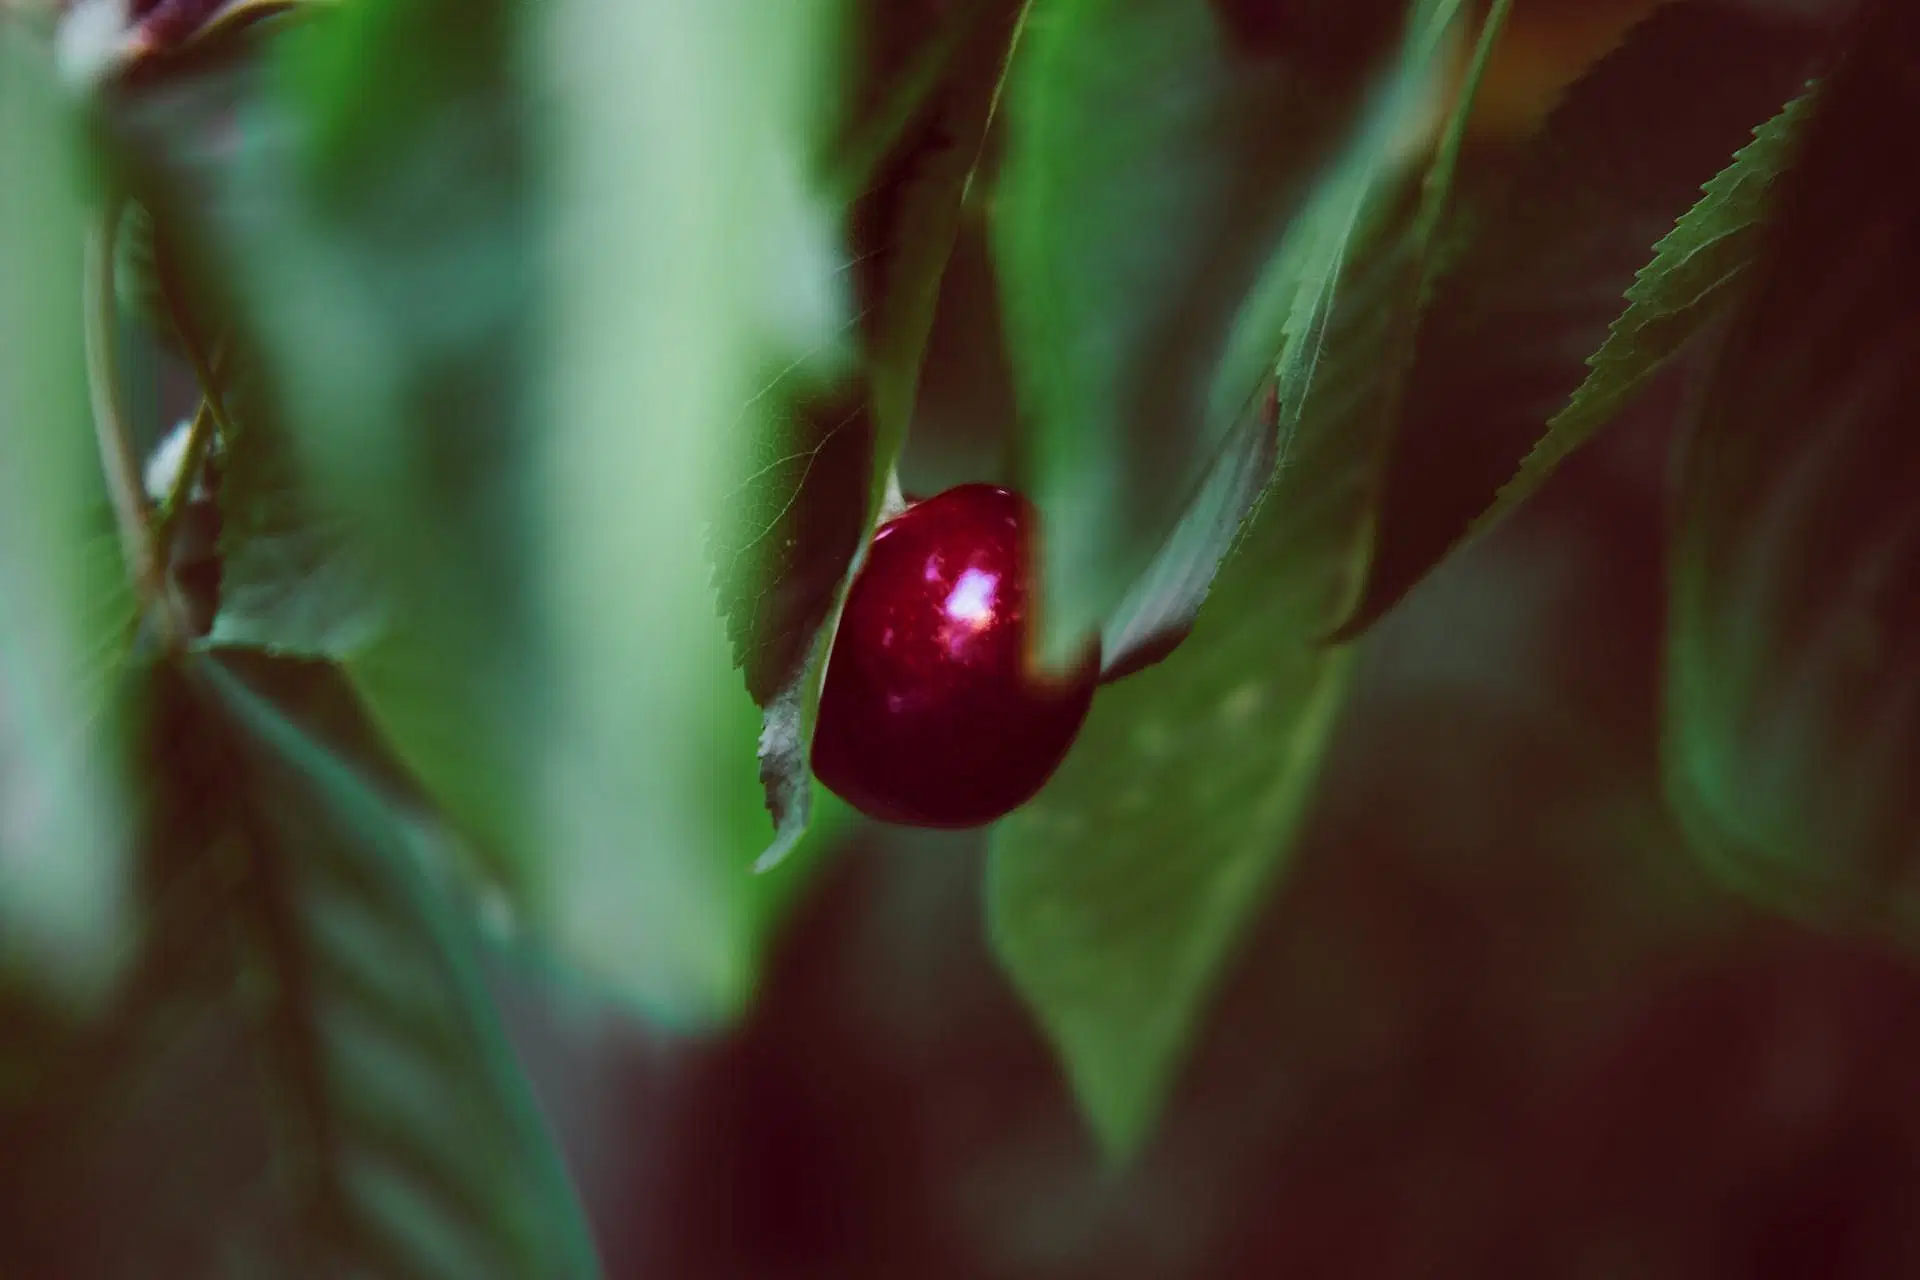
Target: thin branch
(166,520)
(206,357)
(117,460)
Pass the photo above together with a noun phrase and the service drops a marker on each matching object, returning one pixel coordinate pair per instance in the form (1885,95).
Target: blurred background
(1494,1022)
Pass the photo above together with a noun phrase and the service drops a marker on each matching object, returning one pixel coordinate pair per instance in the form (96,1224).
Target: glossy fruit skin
(932,714)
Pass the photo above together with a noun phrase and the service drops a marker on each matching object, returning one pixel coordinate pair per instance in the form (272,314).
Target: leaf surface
(66,609)
(1545,261)
(292,580)
(1156,154)
(1793,686)
(1117,895)
(381,1127)
(509,310)
(1695,274)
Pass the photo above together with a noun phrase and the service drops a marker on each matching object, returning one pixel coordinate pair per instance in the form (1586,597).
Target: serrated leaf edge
(1592,405)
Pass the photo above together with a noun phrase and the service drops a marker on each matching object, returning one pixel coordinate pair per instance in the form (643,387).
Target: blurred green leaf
(137,274)
(1157,614)
(387,271)
(1155,156)
(652,698)
(119,1137)
(567,354)
(1116,896)
(406,1141)
(289,923)
(517,384)
(66,611)
(292,580)
(1793,699)
(1694,275)
(1532,291)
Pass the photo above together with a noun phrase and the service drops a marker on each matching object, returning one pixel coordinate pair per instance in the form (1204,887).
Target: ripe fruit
(932,714)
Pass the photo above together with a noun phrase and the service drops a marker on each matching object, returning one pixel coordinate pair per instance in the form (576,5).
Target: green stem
(205,357)
(167,519)
(118,464)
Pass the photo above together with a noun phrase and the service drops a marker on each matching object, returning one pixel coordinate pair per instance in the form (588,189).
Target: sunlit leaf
(66,611)
(1793,701)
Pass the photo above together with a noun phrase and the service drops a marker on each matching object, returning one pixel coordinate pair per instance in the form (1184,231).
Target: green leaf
(790,528)
(66,612)
(1546,260)
(511,272)
(385,276)
(1793,680)
(1694,275)
(1116,896)
(406,1139)
(120,1135)
(304,1075)
(652,703)
(138,270)
(1157,615)
(292,580)
(1155,155)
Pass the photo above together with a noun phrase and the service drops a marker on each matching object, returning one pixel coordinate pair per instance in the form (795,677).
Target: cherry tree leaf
(66,610)
(1158,613)
(1793,690)
(407,1137)
(1118,893)
(509,315)
(1695,274)
(292,580)
(1546,260)
(1155,156)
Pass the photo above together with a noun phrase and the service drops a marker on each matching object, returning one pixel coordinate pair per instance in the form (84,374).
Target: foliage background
(1494,1021)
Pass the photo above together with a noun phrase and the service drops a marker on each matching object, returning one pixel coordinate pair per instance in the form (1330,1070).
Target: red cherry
(933,714)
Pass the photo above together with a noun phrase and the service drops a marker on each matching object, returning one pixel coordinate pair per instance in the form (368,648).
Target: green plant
(556,361)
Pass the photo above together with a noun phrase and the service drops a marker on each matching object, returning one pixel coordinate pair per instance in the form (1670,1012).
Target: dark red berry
(933,714)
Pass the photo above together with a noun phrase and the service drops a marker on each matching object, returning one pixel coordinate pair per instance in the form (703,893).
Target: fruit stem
(117,461)
(205,357)
(167,519)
